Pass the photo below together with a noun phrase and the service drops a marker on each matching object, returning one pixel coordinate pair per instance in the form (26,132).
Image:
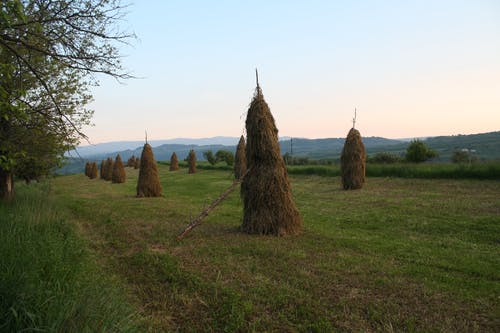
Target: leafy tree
(209,156)
(224,156)
(50,52)
(463,156)
(418,152)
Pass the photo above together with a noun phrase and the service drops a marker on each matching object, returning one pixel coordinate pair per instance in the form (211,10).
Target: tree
(209,156)
(224,156)
(463,156)
(418,152)
(50,52)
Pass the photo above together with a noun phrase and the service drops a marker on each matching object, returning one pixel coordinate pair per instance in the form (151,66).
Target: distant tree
(118,175)
(418,152)
(224,156)
(209,156)
(463,156)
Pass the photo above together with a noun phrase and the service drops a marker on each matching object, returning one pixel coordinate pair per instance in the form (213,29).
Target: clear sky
(411,68)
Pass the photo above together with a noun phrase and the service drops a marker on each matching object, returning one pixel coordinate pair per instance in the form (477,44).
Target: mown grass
(489,170)
(49,282)
(409,255)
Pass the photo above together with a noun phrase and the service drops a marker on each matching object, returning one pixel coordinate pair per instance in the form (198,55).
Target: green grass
(413,255)
(490,170)
(49,282)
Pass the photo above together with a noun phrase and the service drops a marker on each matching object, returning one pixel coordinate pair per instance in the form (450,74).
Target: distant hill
(486,146)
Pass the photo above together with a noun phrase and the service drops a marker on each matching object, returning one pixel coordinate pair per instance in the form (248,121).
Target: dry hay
(93,170)
(102,170)
(87,169)
(266,191)
(118,175)
(131,161)
(174,162)
(137,163)
(108,169)
(353,161)
(192,161)
(148,184)
(240,159)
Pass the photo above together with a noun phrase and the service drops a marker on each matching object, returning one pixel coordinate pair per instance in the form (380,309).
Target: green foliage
(384,158)
(463,156)
(418,152)
(224,156)
(49,281)
(209,156)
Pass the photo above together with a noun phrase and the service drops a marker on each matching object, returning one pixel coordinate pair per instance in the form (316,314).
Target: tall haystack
(102,170)
(353,161)
(240,159)
(108,175)
(268,207)
(87,169)
(93,170)
(148,184)
(192,161)
(118,175)
(174,162)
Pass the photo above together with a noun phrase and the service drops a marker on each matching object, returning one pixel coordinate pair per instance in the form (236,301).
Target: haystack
(137,163)
(87,169)
(192,161)
(353,161)
(93,170)
(240,159)
(266,191)
(118,175)
(131,161)
(102,170)
(174,162)
(148,184)
(108,175)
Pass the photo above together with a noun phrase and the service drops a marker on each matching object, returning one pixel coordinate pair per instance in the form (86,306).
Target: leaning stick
(199,219)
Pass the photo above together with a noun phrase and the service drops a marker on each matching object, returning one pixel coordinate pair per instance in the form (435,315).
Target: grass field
(399,255)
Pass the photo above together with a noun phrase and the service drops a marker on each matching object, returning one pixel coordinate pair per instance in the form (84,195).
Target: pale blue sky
(411,68)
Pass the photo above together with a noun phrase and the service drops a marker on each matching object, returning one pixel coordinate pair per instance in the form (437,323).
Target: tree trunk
(6,185)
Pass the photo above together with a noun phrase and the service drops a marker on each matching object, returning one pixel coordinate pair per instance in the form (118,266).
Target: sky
(411,69)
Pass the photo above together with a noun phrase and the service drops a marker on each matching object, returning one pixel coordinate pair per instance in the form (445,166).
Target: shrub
(224,156)
(384,158)
(209,156)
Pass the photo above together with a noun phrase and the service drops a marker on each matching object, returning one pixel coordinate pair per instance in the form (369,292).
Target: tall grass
(409,170)
(49,282)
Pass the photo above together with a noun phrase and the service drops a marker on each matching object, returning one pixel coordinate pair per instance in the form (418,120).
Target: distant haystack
(87,169)
(108,175)
(93,170)
(137,163)
(102,170)
(148,184)
(353,161)
(131,161)
(174,162)
(240,159)
(118,175)
(266,190)
(192,161)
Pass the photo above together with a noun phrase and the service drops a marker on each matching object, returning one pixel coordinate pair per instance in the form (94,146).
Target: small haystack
(131,161)
(108,168)
(118,175)
(87,169)
(102,170)
(266,191)
(174,162)
(191,159)
(137,163)
(353,161)
(93,170)
(240,159)
(148,184)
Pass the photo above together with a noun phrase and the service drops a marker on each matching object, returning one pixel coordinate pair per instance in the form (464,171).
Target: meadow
(401,254)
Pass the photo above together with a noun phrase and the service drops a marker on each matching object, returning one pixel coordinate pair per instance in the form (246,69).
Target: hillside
(486,145)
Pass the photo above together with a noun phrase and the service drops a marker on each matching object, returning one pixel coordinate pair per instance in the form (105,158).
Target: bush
(209,156)
(224,156)
(463,156)
(418,152)
(384,158)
